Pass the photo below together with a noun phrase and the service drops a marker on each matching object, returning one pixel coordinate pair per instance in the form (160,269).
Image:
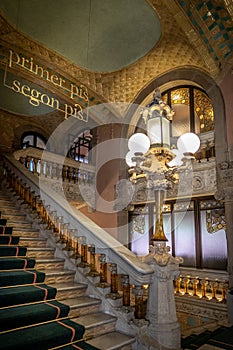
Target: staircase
(41,305)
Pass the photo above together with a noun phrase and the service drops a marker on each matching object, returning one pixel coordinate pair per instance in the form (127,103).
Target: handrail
(127,261)
(51,157)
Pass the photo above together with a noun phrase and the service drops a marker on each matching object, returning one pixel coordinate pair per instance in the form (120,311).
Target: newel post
(164,328)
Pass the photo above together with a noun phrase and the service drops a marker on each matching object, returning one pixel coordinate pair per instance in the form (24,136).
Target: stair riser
(59,279)
(26,234)
(50,266)
(99,330)
(127,347)
(32,244)
(70,293)
(40,254)
(9,209)
(12,217)
(84,310)
(20,225)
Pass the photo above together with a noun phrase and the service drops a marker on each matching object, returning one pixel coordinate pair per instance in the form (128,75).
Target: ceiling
(102,36)
(117,48)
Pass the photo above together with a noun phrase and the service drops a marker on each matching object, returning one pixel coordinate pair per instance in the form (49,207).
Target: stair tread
(58,272)
(111,341)
(68,285)
(94,319)
(26,229)
(81,301)
(42,335)
(13,214)
(40,249)
(38,239)
(49,260)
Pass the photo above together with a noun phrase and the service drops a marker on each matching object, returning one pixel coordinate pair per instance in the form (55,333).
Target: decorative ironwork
(204,110)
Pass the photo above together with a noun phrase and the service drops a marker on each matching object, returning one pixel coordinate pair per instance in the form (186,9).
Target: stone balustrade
(115,274)
(207,288)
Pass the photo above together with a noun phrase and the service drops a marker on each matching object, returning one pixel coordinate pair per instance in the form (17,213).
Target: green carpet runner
(30,317)
(16,295)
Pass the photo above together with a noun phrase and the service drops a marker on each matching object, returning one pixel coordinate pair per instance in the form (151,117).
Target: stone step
(50,264)
(25,233)
(6,200)
(58,276)
(68,290)
(96,323)
(112,341)
(82,305)
(19,224)
(9,208)
(35,242)
(37,253)
(14,217)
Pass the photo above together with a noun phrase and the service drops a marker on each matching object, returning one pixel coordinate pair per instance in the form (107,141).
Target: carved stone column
(164,328)
(228,200)
(225,192)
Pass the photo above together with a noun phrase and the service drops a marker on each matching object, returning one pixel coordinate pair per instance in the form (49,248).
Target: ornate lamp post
(150,158)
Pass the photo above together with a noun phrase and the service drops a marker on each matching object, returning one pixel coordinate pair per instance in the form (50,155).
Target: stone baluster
(140,311)
(84,250)
(43,212)
(74,236)
(35,199)
(43,168)
(214,286)
(31,198)
(195,282)
(77,245)
(204,283)
(186,285)
(39,207)
(178,285)
(126,291)
(103,272)
(59,171)
(224,286)
(21,189)
(26,194)
(64,234)
(93,271)
(68,242)
(22,160)
(35,164)
(64,172)
(27,162)
(52,221)
(114,283)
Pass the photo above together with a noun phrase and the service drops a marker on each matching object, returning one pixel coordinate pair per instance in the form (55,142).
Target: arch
(204,81)
(24,130)
(35,136)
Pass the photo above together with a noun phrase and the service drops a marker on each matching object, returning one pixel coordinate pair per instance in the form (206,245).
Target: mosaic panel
(213,22)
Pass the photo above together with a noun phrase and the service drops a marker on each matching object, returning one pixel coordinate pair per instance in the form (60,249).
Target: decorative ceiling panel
(180,45)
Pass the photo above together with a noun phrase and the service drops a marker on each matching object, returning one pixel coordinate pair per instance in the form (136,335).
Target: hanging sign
(36,97)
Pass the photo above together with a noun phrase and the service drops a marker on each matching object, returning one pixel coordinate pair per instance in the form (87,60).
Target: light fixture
(151,158)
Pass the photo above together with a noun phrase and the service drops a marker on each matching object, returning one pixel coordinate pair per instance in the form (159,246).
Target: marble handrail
(127,261)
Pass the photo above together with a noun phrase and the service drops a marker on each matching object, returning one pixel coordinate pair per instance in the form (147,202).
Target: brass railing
(202,288)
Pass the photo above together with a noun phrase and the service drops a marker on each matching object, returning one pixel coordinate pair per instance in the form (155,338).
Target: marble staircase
(100,327)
